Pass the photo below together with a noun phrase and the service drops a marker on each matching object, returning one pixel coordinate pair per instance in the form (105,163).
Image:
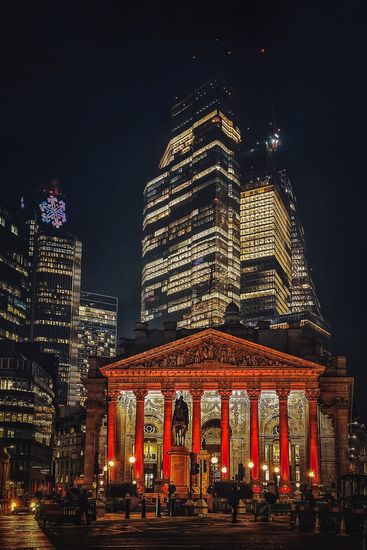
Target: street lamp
(107,468)
(264,468)
(132,461)
(311,475)
(250,466)
(224,470)
(276,480)
(214,462)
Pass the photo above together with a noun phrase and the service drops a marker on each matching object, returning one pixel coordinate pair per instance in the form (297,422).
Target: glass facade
(275,275)
(96,333)
(14,277)
(26,421)
(55,305)
(191,257)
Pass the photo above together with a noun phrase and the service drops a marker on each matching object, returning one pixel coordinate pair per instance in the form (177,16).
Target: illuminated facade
(252,396)
(191,215)
(14,278)
(26,416)
(97,332)
(55,292)
(276,283)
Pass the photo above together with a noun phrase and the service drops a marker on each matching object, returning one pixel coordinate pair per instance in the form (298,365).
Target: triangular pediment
(209,346)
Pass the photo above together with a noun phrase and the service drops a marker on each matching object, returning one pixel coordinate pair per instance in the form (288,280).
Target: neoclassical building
(271,397)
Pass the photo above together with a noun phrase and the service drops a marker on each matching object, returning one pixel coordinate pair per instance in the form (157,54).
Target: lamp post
(224,470)
(132,461)
(106,468)
(276,480)
(213,462)
(250,466)
(311,475)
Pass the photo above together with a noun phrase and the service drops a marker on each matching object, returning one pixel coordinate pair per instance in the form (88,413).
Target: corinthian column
(312,395)
(168,394)
(225,394)
(196,394)
(139,437)
(283,394)
(253,395)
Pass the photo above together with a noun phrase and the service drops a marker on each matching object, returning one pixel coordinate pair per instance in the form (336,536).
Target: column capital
(140,394)
(253,393)
(312,394)
(196,393)
(113,395)
(282,393)
(225,393)
(168,393)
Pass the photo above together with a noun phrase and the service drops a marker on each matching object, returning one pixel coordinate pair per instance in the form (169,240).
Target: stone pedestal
(180,469)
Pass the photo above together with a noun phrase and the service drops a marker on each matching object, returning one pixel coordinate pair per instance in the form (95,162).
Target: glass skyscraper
(97,333)
(14,278)
(191,255)
(55,292)
(275,275)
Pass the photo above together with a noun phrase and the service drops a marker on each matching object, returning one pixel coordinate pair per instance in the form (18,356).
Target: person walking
(83,507)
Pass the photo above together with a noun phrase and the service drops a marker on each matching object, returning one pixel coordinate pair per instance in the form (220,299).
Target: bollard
(127,507)
(158,513)
(143,508)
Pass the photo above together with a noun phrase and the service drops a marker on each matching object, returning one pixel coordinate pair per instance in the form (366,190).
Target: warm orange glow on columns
(167,431)
(225,394)
(283,433)
(111,423)
(254,395)
(139,437)
(312,395)
(196,419)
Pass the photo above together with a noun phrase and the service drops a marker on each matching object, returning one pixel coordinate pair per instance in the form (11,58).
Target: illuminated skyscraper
(191,214)
(56,289)
(97,333)
(14,277)
(275,274)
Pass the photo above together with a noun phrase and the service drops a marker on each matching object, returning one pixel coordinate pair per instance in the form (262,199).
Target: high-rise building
(55,287)
(265,238)
(191,257)
(275,275)
(26,415)
(97,333)
(14,277)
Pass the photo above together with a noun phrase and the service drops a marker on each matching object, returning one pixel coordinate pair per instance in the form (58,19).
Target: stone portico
(249,402)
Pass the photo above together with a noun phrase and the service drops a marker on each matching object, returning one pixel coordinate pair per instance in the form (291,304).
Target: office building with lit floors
(55,288)
(276,282)
(265,406)
(14,278)
(97,333)
(191,259)
(26,416)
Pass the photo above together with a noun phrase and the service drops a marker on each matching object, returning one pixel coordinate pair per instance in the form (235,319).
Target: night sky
(86,94)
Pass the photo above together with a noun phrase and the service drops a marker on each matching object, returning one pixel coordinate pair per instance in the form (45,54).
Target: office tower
(303,293)
(26,416)
(56,288)
(275,275)
(97,333)
(191,214)
(14,277)
(266,265)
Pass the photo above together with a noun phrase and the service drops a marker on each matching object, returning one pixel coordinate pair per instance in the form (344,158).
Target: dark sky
(86,89)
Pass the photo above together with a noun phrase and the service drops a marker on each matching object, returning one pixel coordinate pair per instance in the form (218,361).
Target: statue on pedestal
(180,421)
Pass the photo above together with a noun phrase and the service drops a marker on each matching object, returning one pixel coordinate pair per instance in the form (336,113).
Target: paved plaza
(214,532)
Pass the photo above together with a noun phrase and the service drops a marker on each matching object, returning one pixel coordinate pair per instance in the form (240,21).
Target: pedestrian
(234,500)
(83,507)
